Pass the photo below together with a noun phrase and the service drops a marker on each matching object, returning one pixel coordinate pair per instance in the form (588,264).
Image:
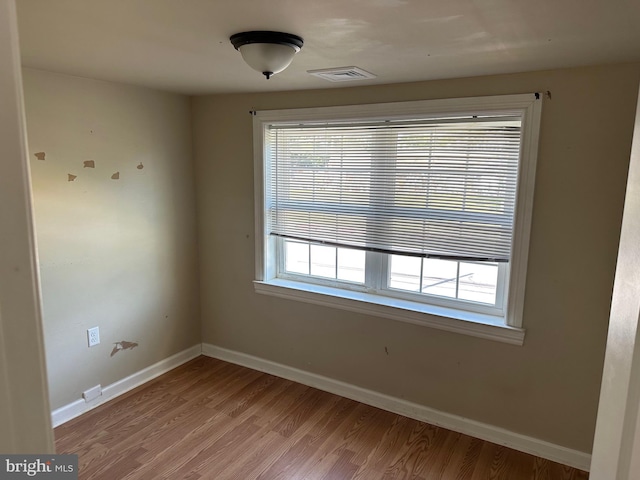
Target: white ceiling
(183,45)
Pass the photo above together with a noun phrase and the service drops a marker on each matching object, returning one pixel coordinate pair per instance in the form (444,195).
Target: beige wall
(548,388)
(118,254)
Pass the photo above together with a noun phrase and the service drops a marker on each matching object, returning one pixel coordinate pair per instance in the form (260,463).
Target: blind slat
(435,188)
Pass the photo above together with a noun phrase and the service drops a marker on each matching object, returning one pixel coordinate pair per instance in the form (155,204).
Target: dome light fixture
(267,52)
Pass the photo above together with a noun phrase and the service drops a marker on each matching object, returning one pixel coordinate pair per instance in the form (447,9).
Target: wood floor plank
(322,436)
(343,468)
(282,400)
(311,400)
(499,466)
(104,467)
(366,427)
(456,460)
(321,467)
(413,454)
(470,460)
(215,465)
(263,453)
(388,447)
(282,448)
(308,448)
(247,396)
(441,447)
(485,459)
(212,420)
(213,453)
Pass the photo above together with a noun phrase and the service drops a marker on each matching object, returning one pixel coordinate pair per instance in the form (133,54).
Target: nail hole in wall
(71,178)
(115,176)
(39,155)
(140,166)
(89,164)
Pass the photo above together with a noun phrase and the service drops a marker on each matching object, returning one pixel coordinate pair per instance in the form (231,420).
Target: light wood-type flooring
(209,419)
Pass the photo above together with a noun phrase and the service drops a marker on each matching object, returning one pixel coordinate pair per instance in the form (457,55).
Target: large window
(418,211)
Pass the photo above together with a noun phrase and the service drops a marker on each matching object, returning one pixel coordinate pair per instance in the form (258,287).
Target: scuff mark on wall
(140,166)
(71,178)
(115,176)
(89,164)
(123,345)
(39,155)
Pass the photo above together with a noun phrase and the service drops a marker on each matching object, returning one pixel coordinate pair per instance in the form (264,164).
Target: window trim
(457,321)
(508,328)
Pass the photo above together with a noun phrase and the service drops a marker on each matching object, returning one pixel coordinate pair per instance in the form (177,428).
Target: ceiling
(183,45)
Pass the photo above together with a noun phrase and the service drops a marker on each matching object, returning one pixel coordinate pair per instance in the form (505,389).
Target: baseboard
(74,409)
(456,423)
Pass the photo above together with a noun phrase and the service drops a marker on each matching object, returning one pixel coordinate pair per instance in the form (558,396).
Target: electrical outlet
(93,336)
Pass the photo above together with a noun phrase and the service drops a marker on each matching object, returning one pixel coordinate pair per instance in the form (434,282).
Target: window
(418,211)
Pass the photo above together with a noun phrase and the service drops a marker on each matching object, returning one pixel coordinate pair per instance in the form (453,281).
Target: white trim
(471,105)
(259,175)
(441,318)
(524,213)
(422,413)
(77,408)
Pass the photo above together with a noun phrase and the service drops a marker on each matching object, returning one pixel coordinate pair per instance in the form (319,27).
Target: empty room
(357,239)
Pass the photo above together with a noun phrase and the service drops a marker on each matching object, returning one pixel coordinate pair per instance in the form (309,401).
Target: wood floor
(210,419)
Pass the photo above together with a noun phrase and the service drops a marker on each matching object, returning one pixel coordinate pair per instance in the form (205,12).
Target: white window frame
(377,270)
(507,327)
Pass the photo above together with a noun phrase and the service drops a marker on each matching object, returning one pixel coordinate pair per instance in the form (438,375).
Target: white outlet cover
(93,336)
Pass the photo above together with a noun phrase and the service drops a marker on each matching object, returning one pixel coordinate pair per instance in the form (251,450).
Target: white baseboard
(425,414)
(74,409)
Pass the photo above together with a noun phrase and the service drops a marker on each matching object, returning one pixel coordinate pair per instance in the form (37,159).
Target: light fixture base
(266,36)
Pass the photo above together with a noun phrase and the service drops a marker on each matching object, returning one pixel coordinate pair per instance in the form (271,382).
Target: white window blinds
(442,188)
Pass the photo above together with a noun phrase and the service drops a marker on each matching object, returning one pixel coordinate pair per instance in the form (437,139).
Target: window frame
(508,327)
(378,279)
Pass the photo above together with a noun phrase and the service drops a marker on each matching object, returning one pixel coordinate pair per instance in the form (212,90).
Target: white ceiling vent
(342,74)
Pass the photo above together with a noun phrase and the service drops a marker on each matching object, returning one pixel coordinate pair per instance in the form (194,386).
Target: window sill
(467,323)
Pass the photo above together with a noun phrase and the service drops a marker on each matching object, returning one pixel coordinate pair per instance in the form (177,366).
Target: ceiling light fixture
(267,52)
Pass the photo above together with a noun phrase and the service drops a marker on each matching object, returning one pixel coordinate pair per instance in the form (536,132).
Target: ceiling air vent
(342,74)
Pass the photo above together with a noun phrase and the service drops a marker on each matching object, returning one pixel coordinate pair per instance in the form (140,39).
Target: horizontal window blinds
(434,188)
